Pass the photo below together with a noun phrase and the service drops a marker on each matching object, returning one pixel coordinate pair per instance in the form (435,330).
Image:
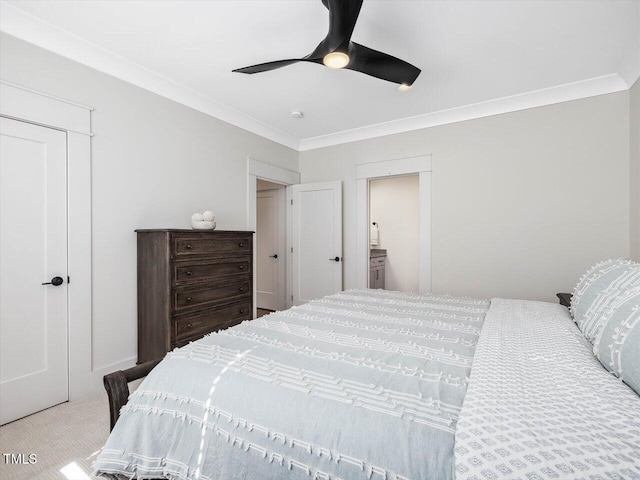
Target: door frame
(264,171)
(420,165)
(30,106)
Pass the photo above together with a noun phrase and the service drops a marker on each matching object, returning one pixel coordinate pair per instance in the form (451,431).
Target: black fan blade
(343,15)
(381,65)
(265,67)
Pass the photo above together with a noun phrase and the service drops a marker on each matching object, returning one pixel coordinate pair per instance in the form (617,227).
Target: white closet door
(33,251)
(317,240)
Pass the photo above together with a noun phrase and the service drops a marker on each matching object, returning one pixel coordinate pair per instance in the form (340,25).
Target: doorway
(270,246)
(394,214)
(313,233)
(365,172)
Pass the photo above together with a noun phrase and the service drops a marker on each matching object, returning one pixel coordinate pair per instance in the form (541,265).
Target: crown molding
(29,28)
(537,98)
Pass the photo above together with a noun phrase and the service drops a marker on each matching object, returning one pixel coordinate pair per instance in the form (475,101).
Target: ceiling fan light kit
(336,60)
(337,50)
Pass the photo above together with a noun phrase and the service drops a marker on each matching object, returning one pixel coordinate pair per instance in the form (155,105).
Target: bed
(372,384)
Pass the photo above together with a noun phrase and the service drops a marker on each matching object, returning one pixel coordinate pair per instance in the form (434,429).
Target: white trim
(424,265)
(79,265)
(64,100)
(257,169)
(289,244)
(28,105)
(29,28)
(388,168)
(272,173)
(34,107)
(538,98)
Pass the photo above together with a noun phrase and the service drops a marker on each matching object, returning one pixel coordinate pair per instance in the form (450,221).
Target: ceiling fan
(338,51)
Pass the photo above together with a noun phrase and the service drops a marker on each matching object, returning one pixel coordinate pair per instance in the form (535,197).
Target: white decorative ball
(196,217)
(208,216)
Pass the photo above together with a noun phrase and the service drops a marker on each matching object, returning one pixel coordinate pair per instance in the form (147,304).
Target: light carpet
(65,439)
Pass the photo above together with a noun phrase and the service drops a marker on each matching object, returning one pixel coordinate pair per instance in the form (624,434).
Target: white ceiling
(469,52)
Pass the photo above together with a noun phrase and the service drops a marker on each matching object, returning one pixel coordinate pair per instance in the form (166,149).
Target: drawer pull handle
(189,273)
(189,247)
(241,267)
(242,311)
(241,245)
(242,289)
(189,299)
(189,325)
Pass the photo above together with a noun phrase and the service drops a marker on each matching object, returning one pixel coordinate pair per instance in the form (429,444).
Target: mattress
(364,384)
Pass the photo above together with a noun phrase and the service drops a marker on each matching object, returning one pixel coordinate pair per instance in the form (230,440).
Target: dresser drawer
(195,296)
(207,271)
(187,327)
(184,246)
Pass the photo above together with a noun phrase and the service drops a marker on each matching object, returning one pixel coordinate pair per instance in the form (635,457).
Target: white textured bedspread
(361,385)
(540,406)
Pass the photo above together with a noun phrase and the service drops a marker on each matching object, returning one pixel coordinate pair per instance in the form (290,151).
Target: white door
(33,251)
(270,255)
(316,225)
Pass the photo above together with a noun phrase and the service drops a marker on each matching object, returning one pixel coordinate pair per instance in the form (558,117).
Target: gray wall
(634,138)
(522,203)
(154,163)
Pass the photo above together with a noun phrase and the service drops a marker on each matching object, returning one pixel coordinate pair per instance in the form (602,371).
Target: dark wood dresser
(190,283)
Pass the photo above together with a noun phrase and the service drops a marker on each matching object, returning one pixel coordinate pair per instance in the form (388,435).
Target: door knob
(336,259)
(55,281)
(273,256)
